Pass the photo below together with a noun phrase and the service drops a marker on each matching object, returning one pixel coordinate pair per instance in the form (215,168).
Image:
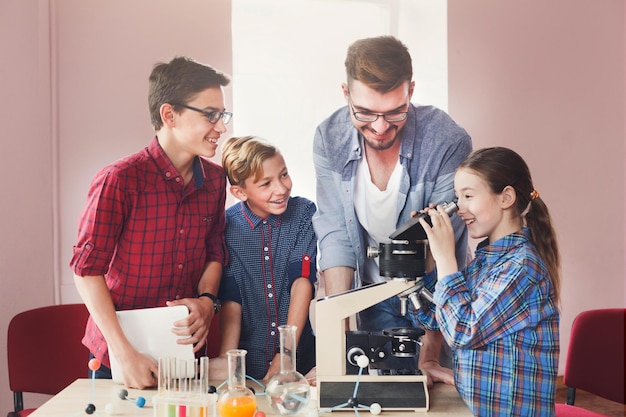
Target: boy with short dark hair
(152,233)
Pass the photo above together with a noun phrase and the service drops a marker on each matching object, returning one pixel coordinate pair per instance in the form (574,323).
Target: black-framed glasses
(212,116)
(368,116)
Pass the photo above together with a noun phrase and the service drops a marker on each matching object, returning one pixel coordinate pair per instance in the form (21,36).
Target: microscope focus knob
(354,354)
(380,353)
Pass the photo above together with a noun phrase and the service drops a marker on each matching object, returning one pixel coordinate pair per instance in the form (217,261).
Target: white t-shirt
(376,211)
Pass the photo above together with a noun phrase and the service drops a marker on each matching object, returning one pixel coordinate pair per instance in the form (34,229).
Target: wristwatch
(216,302)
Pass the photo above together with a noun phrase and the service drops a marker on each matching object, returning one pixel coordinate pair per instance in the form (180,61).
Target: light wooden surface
(71,402)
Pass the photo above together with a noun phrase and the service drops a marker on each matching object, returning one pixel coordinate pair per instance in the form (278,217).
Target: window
(288,66)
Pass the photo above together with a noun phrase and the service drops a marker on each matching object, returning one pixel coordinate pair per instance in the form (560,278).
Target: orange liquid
(237,407)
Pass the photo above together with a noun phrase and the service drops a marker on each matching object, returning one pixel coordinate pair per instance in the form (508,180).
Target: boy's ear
(238,192)
(167,114)
(508,197)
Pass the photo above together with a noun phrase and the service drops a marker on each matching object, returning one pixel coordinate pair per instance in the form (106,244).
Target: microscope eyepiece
(405,255)
(450,208)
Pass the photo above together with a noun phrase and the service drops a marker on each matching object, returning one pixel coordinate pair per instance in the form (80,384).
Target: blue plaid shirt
(501,319)
(265,257)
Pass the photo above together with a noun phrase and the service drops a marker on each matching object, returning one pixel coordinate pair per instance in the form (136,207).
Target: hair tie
(534,194)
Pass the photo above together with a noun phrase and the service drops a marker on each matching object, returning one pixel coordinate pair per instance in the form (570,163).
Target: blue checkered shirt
(265,257)
(501,319)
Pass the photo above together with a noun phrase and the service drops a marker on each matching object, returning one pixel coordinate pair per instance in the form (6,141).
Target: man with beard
(377,160)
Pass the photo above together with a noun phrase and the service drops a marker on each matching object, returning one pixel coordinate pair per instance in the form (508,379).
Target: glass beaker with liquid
(238,400)
(288,391)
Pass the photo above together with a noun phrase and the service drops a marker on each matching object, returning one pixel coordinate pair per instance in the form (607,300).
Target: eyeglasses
(212,116)
(368,116)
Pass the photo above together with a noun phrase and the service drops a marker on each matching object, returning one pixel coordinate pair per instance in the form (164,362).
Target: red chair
(44,351)
(595,359)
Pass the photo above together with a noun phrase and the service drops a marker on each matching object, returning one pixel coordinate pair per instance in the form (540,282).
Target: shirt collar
(168,169)
(255,221)
(495,249)
(409,134)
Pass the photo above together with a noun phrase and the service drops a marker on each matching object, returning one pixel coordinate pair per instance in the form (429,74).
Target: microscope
(402,262)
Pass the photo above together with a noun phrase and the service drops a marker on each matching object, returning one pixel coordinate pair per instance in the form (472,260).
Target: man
(377,160)
(152,233)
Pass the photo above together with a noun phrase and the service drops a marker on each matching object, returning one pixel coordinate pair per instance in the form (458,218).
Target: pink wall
(74,98)
(547,79)
(104,55)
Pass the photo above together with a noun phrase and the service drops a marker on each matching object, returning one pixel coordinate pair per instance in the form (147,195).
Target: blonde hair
(243,157)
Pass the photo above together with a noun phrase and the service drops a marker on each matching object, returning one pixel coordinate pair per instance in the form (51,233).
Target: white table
(71,402)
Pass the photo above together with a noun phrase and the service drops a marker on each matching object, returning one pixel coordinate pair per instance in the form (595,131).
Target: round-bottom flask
(238,400)
(288,391)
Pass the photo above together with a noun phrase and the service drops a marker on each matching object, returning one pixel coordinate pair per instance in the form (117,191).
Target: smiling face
(485,213)
(193,132)
(379,134)
(269,193)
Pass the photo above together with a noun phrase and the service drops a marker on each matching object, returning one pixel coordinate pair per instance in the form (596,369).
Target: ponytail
(543,236)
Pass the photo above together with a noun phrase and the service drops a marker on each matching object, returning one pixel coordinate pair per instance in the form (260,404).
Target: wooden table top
(71,402)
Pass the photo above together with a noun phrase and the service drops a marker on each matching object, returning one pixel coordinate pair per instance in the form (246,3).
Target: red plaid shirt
(149,234)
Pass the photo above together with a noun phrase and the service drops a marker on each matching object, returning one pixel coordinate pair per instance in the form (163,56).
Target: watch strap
(213,297)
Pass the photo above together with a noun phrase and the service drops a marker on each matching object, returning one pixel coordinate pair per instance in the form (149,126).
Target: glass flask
(288,391)
(238,400)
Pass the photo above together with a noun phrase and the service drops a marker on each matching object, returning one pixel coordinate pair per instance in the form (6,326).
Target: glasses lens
(365,117)
(395,117)
(213,116)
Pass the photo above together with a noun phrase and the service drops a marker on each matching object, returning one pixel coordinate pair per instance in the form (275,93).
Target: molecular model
(94,365)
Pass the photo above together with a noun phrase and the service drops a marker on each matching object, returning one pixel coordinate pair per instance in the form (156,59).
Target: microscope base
(397,393)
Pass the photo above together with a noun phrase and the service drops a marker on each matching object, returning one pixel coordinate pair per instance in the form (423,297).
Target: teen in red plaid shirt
(152,233)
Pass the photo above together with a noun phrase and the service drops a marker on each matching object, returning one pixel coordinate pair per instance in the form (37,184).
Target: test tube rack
(183,389)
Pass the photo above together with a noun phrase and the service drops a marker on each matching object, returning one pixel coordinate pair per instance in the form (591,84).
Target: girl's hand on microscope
(441,240)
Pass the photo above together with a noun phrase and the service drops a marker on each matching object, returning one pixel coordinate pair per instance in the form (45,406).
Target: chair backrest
(44,348)
(595,356)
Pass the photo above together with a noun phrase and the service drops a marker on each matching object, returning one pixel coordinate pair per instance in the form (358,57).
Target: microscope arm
(330,315)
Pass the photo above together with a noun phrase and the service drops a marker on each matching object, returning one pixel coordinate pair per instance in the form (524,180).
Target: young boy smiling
(272,250)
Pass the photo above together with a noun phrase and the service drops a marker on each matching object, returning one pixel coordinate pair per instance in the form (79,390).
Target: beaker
(238,400)
(288,391)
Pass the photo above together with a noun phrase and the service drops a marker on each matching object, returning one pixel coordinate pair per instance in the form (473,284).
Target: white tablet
(149,330)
